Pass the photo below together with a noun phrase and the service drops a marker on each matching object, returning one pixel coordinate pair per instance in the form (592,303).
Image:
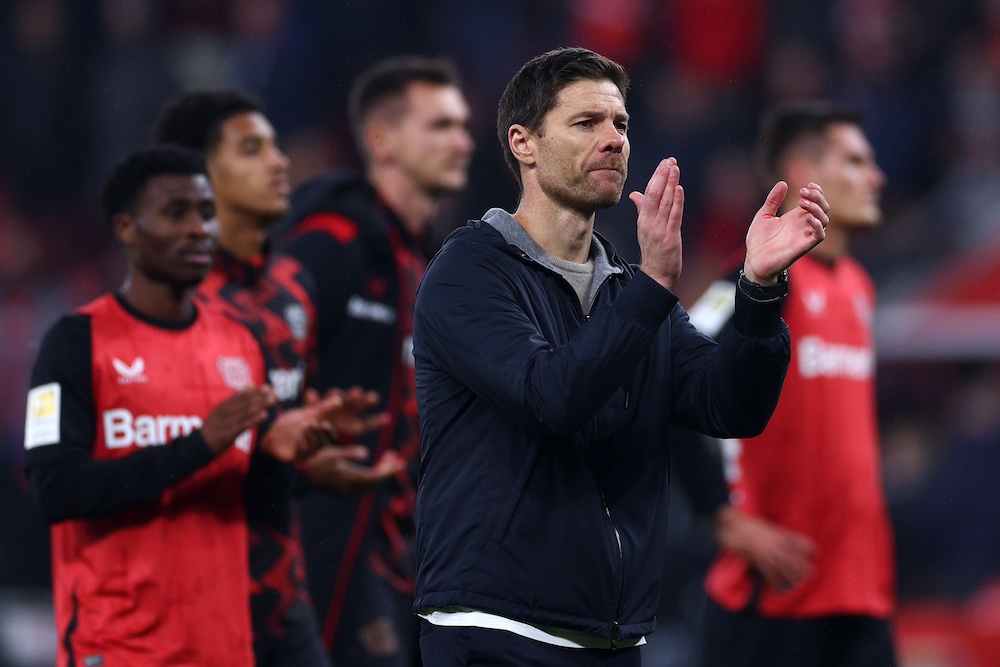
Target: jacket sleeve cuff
(755,318)
(646,301)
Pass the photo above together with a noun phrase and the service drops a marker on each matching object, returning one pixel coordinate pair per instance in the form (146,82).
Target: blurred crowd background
(81,82)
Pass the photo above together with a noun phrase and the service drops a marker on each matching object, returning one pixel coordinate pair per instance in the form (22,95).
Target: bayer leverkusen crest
(235,372)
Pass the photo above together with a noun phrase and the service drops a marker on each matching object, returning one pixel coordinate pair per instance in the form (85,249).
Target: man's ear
(799,170)
(521,142)
(123,226)
(379,139)
(211,166)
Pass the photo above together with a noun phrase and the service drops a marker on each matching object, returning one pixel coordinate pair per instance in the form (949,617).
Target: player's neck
(837,244)
(413,205)
(561,231)
(158,300)
(242,234)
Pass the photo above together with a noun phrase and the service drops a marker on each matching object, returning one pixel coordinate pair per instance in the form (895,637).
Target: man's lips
(199,255)
(609,166)
(608,169)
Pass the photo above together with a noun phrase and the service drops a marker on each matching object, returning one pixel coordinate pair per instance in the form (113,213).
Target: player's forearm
(78,487)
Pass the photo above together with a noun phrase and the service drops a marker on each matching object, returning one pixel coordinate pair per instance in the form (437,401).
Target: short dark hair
(386,82)
(129,177)
(194,118)
(789,123)
(533,91)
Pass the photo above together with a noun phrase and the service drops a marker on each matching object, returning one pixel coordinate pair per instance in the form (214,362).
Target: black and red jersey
(149,541)
(367,268)
(272,296)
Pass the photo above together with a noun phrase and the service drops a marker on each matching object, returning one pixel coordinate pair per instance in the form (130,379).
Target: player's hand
(661,208)
(349,419)
(774,243)
(783,557)
(340,469)
(244,409)
(297,433)
(340,414)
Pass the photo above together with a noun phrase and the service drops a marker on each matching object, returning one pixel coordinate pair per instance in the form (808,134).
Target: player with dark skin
(197,387)
(169,240)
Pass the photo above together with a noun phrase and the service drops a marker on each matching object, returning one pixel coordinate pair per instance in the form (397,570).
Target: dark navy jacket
(542,488)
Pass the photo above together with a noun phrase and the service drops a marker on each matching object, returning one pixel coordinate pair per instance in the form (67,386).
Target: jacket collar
(514,234)
(246,273)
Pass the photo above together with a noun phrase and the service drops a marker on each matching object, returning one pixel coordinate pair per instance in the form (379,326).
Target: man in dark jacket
(548,371)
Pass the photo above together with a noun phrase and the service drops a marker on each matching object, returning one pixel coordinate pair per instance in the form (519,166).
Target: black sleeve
(338,270)
(699,470)
(67,482)
(695,461)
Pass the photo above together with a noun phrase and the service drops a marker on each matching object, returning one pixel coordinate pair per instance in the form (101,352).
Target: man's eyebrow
(601,113)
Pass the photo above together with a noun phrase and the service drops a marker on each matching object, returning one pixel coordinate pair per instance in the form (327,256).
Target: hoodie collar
(514,234)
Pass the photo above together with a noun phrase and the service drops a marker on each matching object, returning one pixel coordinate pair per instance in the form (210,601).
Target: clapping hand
(775,242)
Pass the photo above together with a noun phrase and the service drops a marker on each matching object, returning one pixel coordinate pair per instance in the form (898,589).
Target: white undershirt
(470,618)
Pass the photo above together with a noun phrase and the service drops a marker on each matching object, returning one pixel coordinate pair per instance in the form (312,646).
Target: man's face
(581,150)
(249,172)
(170,235)
(851,179)
(431,143)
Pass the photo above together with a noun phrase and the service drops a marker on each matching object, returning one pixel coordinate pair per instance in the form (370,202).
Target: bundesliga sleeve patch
(711,312)
(41,424)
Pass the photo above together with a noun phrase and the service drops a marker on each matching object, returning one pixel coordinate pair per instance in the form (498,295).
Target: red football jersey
(816,468)
(164,582)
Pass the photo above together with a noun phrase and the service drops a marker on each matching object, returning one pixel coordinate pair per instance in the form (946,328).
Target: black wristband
(764,293)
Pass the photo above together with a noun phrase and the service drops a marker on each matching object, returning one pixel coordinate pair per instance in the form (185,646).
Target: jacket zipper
(616,625)
(604,282)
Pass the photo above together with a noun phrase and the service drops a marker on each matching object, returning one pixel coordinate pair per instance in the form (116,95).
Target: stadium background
(81,81)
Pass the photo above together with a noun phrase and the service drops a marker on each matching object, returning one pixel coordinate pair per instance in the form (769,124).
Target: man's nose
(464,140)
(878,176)
(612,139)
(280,160)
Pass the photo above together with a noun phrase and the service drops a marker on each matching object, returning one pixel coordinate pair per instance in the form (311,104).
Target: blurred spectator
(128,80)
(795,68)
(42,141)
(970,187)
(878,42)
(964,488)
(719,41)
(908,458)
(618,30)
(258,35)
